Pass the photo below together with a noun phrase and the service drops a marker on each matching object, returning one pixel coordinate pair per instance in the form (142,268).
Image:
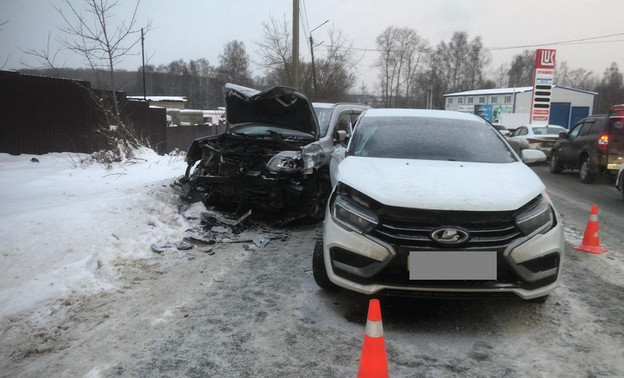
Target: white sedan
(536,137)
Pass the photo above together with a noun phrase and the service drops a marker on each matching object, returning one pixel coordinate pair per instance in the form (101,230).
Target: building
(511,106)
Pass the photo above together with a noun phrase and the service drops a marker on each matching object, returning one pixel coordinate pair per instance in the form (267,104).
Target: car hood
(441,185)
(281,106)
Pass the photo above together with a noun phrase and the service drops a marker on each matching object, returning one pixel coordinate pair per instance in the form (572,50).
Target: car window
(323,115)
(343,122)
(586,128)
(429,139)
(596,128)
(575,130)
(616,126)
(548,130)
(523,131)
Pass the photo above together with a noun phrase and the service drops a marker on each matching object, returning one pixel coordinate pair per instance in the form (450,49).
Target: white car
(536,137)
(431,202)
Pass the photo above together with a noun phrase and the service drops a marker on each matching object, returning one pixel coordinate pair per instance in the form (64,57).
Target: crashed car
(274,155)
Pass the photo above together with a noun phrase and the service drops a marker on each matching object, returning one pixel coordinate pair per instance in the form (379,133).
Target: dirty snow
(82,293)
(65,216)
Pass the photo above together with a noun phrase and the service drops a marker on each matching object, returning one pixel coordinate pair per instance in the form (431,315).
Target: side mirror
(532,156)
(564,135)
(341,135)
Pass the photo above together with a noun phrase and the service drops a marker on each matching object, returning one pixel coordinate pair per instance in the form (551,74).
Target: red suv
(595,145)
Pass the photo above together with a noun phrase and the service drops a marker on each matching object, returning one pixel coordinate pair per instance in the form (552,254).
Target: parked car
(536,137)
(502,129)
(430,202)
(594,146)
(274,155)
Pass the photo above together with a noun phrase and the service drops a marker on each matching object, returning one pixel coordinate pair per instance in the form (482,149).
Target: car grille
(411,229)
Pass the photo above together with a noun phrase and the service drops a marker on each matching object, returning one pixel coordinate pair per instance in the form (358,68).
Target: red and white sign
(542,85)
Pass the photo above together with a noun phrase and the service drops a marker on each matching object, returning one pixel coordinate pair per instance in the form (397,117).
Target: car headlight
(285,161)
(353,216)
(536,217)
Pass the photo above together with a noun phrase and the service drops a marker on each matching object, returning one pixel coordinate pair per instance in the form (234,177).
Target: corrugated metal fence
(42,114)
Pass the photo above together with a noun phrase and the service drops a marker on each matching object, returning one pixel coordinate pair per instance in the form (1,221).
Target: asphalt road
(573,200)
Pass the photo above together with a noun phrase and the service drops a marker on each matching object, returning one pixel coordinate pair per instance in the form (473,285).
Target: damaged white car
(274,156)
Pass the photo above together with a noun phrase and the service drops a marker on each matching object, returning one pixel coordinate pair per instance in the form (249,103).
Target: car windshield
(323,115)
(429,139)
(550,130)
(264,129)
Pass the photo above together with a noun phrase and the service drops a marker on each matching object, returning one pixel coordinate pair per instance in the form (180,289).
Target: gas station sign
(542,85)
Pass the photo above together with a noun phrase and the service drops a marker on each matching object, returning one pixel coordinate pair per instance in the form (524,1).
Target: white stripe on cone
(374,328)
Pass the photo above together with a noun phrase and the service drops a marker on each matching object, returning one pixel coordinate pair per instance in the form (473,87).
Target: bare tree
(402,51)
(234,63)
(275,51)
(88,32)
(579,78)
(611,88)
(2,23)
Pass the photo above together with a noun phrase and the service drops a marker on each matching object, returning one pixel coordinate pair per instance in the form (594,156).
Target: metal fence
(40,114)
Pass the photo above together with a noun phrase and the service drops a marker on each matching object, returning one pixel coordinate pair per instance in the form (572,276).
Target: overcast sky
(191,29)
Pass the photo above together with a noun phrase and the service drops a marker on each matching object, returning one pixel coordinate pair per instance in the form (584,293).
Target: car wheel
(316,202)
(587,171)
(555,164)
(318,268)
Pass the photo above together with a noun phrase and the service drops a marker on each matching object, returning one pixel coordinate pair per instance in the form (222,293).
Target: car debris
(274,156)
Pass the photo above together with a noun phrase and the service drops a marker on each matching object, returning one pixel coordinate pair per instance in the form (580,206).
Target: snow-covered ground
(66,219)
(82,293)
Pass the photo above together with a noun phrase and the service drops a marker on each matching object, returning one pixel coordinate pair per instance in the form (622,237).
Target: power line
(583,41)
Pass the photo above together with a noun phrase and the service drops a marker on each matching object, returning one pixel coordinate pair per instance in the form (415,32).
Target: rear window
(429,139)
(548,130)
(616,127)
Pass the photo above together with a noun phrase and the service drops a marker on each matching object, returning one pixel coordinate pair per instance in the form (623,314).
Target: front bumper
(529,267)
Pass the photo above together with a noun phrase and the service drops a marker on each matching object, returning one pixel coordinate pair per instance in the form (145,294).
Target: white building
(511,106)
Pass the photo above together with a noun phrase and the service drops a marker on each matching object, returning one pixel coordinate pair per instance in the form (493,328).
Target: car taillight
(603,143)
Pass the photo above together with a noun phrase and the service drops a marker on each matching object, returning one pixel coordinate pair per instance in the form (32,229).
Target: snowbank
(65,221)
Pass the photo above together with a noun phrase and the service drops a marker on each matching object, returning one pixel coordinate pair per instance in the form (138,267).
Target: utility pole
(312,55)
(295,46)
(143,58)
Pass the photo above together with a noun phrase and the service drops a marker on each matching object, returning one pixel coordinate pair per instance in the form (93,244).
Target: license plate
(615,166)
(452,265)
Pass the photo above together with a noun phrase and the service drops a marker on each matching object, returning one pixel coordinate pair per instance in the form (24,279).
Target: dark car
(594,146)
(274,155)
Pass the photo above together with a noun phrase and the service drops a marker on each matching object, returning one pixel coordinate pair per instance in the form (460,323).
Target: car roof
(328,105)
(421,113)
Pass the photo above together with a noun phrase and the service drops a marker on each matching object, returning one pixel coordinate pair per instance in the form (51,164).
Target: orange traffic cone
(591,239)
(373,362)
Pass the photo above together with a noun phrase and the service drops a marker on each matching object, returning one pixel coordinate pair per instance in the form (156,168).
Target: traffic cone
(373,362)
(591,239)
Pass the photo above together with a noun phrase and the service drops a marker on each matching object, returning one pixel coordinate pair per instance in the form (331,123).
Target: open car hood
(282,106)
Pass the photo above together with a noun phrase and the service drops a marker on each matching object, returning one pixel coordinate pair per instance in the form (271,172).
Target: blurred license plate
(451,265)
(615,166)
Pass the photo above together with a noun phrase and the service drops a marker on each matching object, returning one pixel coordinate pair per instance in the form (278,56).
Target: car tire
(586,171)
(316,203)
(318,268)
(555,164)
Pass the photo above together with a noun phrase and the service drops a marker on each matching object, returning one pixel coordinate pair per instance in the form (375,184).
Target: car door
(569,148)
(517,138)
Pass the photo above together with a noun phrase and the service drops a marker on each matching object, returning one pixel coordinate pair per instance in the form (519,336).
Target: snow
(65,216)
